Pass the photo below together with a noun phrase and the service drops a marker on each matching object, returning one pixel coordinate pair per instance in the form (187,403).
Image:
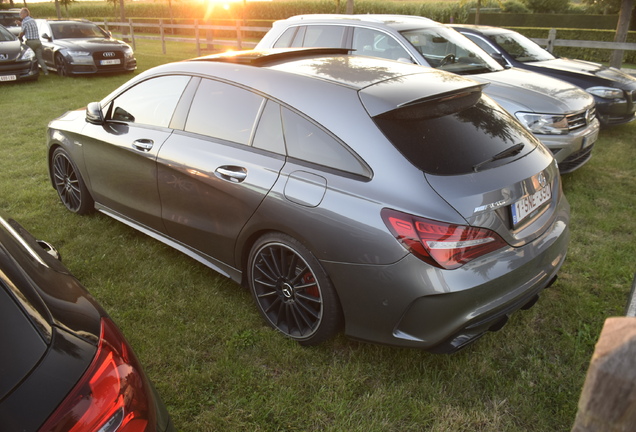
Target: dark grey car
(396,200)
(613,90)
(81,47)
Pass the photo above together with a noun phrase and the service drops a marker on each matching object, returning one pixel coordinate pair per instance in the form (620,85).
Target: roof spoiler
(457,97)
(266,57)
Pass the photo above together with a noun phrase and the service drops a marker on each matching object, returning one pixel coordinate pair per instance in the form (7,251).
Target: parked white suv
(560,114)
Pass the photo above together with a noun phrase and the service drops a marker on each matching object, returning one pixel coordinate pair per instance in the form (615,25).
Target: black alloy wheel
(61,65)
(69,184)
(292,290)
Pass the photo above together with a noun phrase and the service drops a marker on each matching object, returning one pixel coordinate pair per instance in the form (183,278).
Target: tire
(61,66)
(69,184)
(292,290)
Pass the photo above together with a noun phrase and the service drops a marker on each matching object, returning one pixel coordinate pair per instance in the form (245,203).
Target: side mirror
(94,113)
(47,37)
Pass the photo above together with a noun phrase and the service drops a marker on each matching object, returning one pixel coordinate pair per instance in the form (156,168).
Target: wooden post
(608,399)
(132,33)
(551,38)
(196,35)
(209,37)
(239,36)
(163,36)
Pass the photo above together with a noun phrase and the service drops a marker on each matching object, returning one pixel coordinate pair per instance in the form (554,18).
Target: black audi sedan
(17,61)
(81,47)
(614,91)
(65,366)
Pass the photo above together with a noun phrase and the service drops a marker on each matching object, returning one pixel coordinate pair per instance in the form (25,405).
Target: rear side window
(324,36)
(459,142)
(224,111)
(286,40)
(308,142)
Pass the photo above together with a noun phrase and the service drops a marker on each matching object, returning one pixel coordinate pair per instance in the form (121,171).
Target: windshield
(521,48)
(6,35)
(76,30)
(446,49)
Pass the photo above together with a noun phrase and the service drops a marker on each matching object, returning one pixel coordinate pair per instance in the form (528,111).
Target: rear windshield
(472,139)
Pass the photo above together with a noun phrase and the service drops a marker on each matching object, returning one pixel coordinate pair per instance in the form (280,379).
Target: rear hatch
(480,160)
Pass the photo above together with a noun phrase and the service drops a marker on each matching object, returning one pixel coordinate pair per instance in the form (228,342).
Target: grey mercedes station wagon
(397,202)
(561,115)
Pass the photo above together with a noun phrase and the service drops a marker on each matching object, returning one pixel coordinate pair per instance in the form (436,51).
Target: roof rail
(265,57)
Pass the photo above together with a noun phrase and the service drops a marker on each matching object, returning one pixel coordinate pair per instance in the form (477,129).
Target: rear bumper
(415,305)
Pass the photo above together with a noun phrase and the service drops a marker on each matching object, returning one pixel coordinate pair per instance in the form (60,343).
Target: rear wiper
(509,152)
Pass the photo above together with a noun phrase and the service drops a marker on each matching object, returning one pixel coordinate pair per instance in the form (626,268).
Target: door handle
(143,144)
(234,174)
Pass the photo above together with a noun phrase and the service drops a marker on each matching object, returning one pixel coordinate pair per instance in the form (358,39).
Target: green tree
(548,6)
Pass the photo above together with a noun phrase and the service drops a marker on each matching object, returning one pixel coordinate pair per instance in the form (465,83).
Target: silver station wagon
(395,202)
(561,115)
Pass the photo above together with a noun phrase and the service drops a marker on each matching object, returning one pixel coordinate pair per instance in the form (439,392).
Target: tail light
(113,394)
(440,244)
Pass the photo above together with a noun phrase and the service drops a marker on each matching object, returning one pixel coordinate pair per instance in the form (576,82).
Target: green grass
(218,367)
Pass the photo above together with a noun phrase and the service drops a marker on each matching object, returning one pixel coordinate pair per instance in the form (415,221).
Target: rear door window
(224,111)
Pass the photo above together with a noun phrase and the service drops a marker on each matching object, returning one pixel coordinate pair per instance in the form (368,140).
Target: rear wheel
(69,184)
(292,290)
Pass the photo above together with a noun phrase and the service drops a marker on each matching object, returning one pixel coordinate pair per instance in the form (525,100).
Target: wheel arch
(246,244)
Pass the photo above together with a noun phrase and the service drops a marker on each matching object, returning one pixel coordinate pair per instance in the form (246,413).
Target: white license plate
(528,204)
(8,78)
(590,139)
(109,62)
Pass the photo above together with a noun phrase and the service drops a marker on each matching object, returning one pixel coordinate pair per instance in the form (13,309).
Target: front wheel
(61,66)
(292,290)
(69,184)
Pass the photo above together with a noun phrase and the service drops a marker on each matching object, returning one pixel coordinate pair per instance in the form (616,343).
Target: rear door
(211,175)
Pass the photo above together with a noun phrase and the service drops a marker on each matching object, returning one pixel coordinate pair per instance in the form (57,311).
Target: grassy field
(218,367)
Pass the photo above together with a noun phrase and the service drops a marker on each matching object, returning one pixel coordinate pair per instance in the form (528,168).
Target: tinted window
(377,44)
(458,143)
(223,111)
(306,141)
(76,30)
(6,35)
(269,132)
(446,49)
(521,48)
(150,102)
(286,38)
(324,36)
(481,43)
